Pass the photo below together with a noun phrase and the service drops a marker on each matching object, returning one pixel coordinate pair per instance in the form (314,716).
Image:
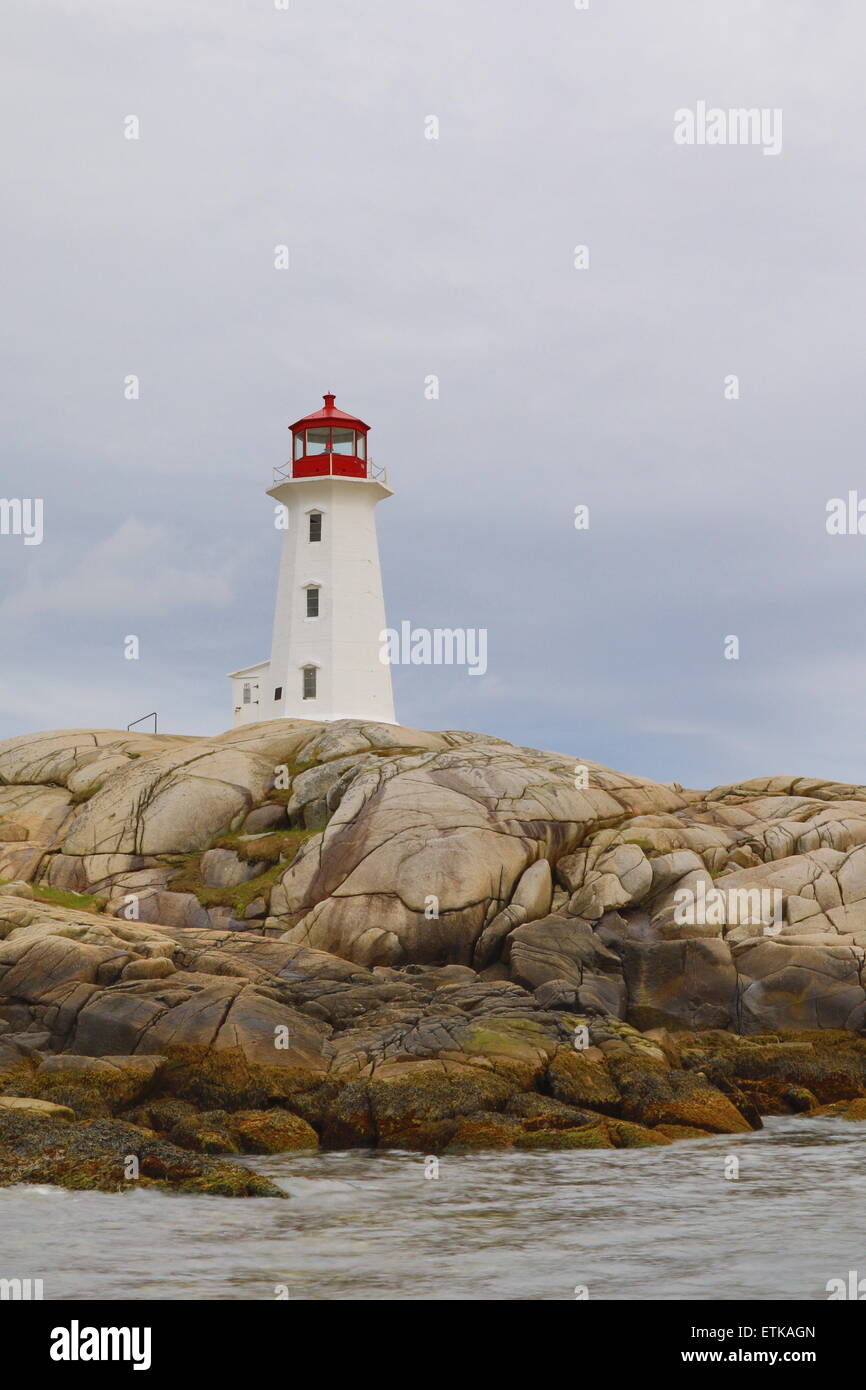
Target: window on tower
(278,693)
(248,694)
(299,446)
(361,446)
(318,441)
(312,602)
(309,682)
(344,441)
(315,526)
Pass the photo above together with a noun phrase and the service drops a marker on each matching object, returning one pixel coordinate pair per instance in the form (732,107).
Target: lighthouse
(330,611)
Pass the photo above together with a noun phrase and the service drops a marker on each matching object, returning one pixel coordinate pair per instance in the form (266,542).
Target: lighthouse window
(278,693)
(312,603)
(360,447)
(344,441)
(248,694)
(315,526)
(309,682)
(318,441)
(299,446)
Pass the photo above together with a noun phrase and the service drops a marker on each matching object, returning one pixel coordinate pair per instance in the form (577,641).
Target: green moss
(204,1134)
(589,1137)
(271,1131)
(227,1080)
(650,850)
(84,1179)
(278,846)
(281,796)
(225,1180)
(277,850)
(238,897)
(86,902)
(575,1079)
(629,1136)
(92,1095)
(484,1131)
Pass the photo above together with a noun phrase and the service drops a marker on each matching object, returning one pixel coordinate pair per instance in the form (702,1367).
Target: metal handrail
(152,716)
(375,473)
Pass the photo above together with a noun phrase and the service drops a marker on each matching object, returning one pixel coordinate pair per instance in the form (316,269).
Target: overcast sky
(411,257)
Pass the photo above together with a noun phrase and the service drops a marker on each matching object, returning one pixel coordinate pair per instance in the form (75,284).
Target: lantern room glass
(343,441)
(330,439)
(318,441)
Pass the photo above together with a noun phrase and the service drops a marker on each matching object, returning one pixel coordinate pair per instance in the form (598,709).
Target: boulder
(271,1132)
(567,948)
(620,877)
(28,1105)
(222,868)
(583,1081)
(265,818)
(16,888)
(793,987)
(534,891)
(652,1094)
(170,909)
(46,1148)
(155,968)
(688,984)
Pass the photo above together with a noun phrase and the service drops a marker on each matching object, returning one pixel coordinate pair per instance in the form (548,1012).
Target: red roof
(329,414)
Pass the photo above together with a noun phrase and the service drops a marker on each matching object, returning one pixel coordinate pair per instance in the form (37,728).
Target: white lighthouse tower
(330,611)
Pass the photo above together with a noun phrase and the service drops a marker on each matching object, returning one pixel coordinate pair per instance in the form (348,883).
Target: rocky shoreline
(299,936)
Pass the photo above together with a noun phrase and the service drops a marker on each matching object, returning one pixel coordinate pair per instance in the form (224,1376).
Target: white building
(330,611)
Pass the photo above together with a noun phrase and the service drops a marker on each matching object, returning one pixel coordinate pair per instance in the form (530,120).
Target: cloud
(454,257)
(141,570)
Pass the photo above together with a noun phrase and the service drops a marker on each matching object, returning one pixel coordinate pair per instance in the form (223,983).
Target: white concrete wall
(343,642)
(258,679)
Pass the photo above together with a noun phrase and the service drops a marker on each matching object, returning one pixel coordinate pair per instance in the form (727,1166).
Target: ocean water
(660,1223)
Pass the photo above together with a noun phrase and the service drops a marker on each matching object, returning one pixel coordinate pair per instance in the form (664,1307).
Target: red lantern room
(329,443)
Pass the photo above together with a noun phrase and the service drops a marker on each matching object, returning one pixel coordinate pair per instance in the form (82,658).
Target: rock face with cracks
(297,934)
